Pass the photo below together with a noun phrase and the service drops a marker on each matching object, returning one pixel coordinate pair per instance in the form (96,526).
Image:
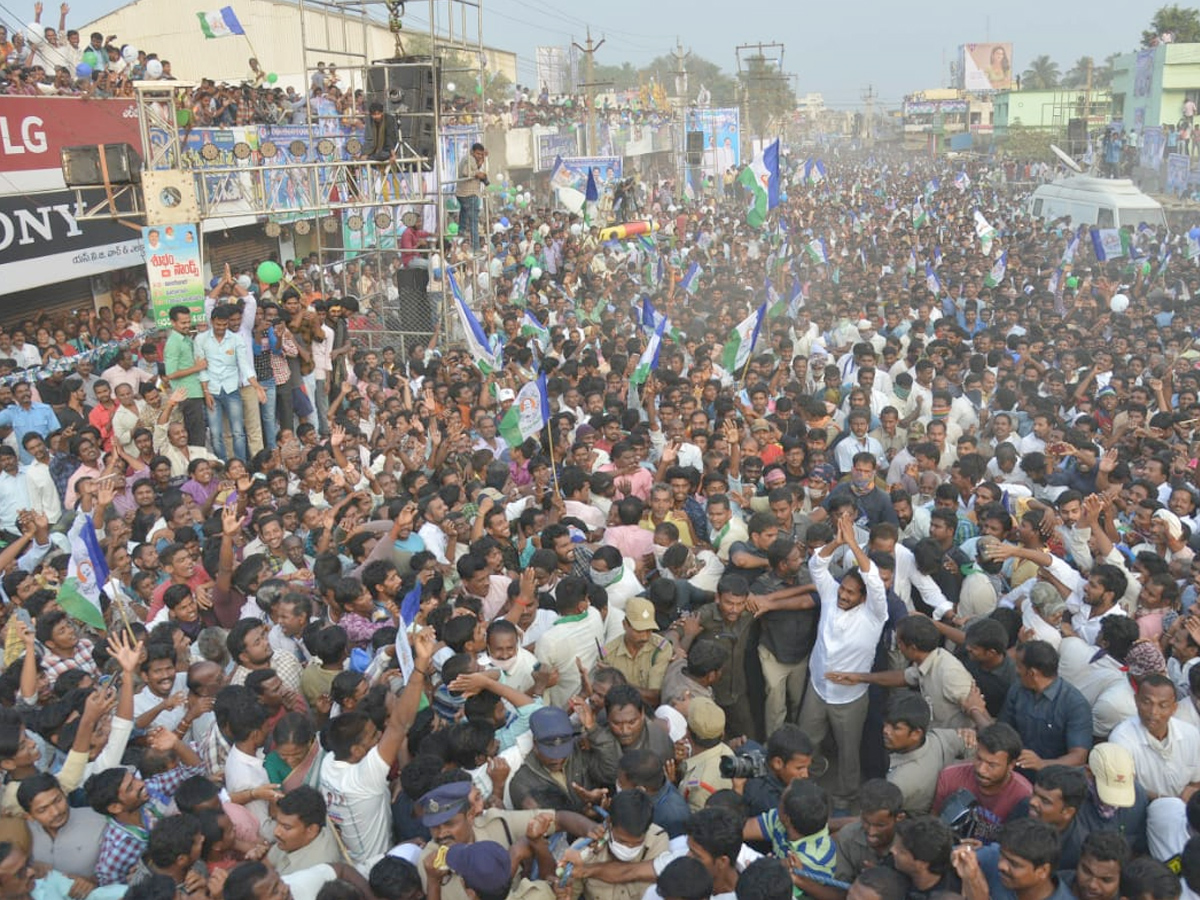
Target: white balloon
(484,281)
(154,69)
(129,54)
(535,273)
(34,34)
(544,229)
(576,229)
(1119,303)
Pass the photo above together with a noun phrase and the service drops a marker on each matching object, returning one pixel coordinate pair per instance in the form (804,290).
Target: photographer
(472,179)
(788,757)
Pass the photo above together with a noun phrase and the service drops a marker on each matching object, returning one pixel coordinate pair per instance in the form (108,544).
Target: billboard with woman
(987,67)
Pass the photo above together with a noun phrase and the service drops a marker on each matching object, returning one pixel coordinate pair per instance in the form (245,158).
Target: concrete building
(1149,87)
(1051,110)
(273,30)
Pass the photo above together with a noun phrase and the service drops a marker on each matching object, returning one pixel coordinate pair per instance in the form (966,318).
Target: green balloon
(269,272)
(452,229)
(272,78)
(89,57)
(530,262)
(479,88)
(183,117)
(1072,282)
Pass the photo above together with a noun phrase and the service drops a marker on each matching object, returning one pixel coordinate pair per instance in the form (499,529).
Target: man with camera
(472,179)
(788,756)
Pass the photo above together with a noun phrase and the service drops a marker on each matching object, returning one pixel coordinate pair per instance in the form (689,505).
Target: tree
(1077,75)
(1042,74)
(1182,22)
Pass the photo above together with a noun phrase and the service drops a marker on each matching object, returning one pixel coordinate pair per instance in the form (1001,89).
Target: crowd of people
(890,596)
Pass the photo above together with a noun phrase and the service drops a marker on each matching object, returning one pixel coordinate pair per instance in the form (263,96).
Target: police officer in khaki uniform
(485,871)
(641,655)
(454,814)
(702,771)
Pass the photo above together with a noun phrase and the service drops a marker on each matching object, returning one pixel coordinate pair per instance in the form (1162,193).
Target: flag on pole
(919,217)
(814,171)
(648,361)
(691,278)
(222,23)
(1107,244)
(742,339)
(816,250)
(937,256)
(87,573)
(591,194)
(796,299)
(532,328)
(1193,243)
(477,341)
(409,607)
(999,267)
(932,282)
(984,231)
(1068,256)
(529,413)
(962,181)
(761,178)
(777,306)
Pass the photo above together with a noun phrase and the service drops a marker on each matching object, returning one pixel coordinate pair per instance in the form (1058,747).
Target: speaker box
(412,312)
(1077,135)
(695,148)
(81,165)
(408,88)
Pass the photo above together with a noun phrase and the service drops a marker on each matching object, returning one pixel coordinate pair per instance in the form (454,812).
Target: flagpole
(553,464)
(125,619)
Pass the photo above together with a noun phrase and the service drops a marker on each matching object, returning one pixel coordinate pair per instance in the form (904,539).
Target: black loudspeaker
(408,88)
(1077,136)
(81,165)
(412,312)
(695,148)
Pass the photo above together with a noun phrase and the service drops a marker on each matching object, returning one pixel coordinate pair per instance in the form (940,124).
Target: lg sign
(25,135)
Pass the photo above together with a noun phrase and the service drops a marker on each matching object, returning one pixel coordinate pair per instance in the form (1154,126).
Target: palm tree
(1041,75)
(1077,75)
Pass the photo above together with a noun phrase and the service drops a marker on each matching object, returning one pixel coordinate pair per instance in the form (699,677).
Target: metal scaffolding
(310,180)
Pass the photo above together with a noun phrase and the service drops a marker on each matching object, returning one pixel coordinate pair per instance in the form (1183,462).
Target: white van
(1103,202)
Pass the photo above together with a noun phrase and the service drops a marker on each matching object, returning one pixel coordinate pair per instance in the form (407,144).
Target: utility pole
(868,98)
(590,68)
(681,57)
(755,70)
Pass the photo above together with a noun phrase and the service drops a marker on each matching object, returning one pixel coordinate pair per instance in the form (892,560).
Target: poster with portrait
(987,67)
(1143,73)
(173,271)
(722,137)
(1178,170)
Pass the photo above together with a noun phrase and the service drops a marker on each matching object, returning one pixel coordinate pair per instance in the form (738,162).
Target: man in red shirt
(990,780)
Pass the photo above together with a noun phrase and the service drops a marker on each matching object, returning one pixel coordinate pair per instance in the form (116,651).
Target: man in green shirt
(179,360)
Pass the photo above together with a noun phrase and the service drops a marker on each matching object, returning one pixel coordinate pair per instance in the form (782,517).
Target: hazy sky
(834,48)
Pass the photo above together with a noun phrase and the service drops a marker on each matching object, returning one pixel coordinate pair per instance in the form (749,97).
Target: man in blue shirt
(1052,716)
(1021,865)
(24,416)
(228,364)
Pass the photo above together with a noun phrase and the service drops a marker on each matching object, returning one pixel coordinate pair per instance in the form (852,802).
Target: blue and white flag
(648,361)
(814,171)
(691,278)
(477,340)
(932,282)
(999,267)
(816,251)
(1106,243)
(962,181)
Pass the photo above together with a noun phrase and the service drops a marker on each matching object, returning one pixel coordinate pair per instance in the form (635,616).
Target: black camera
(485,181)
(750,764)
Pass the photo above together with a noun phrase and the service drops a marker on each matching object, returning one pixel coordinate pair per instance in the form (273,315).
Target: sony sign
(47,222)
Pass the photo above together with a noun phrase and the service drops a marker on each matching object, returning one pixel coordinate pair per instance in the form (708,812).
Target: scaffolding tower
(310,179)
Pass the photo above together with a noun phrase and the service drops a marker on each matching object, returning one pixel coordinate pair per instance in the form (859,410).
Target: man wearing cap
(557,766)
(702,770)
(484,872)
(1116,802)
(640,655)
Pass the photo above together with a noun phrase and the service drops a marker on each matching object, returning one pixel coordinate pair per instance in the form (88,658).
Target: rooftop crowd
(902,604)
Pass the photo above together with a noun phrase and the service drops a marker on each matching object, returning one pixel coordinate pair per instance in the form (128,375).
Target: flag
(1107,244)
(87,573)
(529,413)
(761,177)
(1069,254)
(477,341)
(777,305)
(591,193)
(932,282)
(937,256)
(742,339)
(796,300)
(816,250)
(911,265)
(222,23)
(984,231)
(814,171)
(660,272)
(1162,268)
(962,181)
(919,217)
(531,327)
(647,243)
(648,361)
(999,267)
(691,278)
(409,607)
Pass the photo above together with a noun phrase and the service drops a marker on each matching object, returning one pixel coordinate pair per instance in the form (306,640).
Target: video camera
(748,764)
